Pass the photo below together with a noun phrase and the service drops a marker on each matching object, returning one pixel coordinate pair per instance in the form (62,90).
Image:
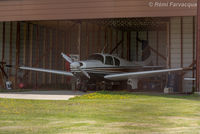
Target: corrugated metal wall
(41,46)
(158,41)
(187,39)
(19,10)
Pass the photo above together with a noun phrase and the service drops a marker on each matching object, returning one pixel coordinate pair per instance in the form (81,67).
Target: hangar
(35,32)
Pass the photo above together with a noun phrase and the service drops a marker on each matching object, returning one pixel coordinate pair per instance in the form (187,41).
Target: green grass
(103,112)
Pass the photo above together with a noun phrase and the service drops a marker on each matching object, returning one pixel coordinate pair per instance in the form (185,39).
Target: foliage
(102,112)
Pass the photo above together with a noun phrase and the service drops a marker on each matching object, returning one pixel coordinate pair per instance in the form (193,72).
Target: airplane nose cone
(75,65)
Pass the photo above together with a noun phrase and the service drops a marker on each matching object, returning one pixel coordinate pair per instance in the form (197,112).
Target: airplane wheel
(103,85)
(81,85)
(84,86)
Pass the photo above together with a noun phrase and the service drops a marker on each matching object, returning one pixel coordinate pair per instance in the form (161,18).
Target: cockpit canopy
(96,57)
(108,60)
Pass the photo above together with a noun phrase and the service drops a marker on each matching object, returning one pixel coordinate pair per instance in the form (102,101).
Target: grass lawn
(103,112)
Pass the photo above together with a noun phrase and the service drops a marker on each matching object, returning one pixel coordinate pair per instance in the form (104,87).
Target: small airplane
(107,70)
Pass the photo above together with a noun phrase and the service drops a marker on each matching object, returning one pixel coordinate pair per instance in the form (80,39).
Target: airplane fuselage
(99,65)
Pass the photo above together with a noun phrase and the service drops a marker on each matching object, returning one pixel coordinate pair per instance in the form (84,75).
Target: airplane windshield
(96,57)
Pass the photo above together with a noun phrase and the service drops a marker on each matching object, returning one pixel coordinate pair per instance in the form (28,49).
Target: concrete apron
(42,95)
(197,93)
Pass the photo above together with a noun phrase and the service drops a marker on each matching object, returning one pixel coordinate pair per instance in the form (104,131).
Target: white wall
(187,46)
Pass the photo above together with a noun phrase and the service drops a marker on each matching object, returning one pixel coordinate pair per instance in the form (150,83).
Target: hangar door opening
(40,44)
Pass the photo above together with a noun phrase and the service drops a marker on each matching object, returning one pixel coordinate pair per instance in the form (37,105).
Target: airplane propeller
(75,65)
(66,58)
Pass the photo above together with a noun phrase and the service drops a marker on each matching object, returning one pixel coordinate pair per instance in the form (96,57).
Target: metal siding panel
(86,9)
(14,46)
(187,50)
(175,42)
(7,41)
(162,47)
(1,38)
(133,46)
(152,43)
(143,36)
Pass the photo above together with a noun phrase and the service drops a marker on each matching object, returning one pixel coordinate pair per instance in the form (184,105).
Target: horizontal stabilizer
(48,71)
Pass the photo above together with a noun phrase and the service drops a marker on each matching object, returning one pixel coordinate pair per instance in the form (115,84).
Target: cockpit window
(109,60)
(117,62)
(96,57)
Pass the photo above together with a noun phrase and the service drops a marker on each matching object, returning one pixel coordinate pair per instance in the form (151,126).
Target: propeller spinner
(75,65)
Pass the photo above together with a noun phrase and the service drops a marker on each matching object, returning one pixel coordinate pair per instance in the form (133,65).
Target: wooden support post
(37,54)
(17,53)
(44,50)
(24,44)
(181,81)
(105,40)
(128,45)
(93,39)
(3,41)
(31,53)
(181,42)
(169,44)
(122,51)
(87,40)
(193,49)
(70,42)
(28,42)
(79,40)
(147,37)
(67,46)
(198,49)
(117,41)
(56,52)
(99,39)
(11,44)
(137,36)
(27,54)
(50,55)
(111,39)
(63,50)
(157,46)
(59,46)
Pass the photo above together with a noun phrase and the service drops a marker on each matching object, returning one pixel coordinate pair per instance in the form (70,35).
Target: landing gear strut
(81,84)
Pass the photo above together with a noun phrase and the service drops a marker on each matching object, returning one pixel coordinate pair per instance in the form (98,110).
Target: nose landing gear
(81,84)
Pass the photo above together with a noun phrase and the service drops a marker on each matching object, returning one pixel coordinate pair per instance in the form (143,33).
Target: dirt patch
(182,118)
(122,124)
(12,127)
(86,121)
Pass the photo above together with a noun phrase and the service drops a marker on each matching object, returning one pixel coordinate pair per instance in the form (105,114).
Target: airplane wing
(190,79)
(125,76)
(155,67)
(47,71)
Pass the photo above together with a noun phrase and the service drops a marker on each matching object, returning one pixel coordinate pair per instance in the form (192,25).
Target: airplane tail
(146,62)
(146,57)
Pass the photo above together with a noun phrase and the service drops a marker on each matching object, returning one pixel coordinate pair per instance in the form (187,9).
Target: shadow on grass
(153,94)
(44,92)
